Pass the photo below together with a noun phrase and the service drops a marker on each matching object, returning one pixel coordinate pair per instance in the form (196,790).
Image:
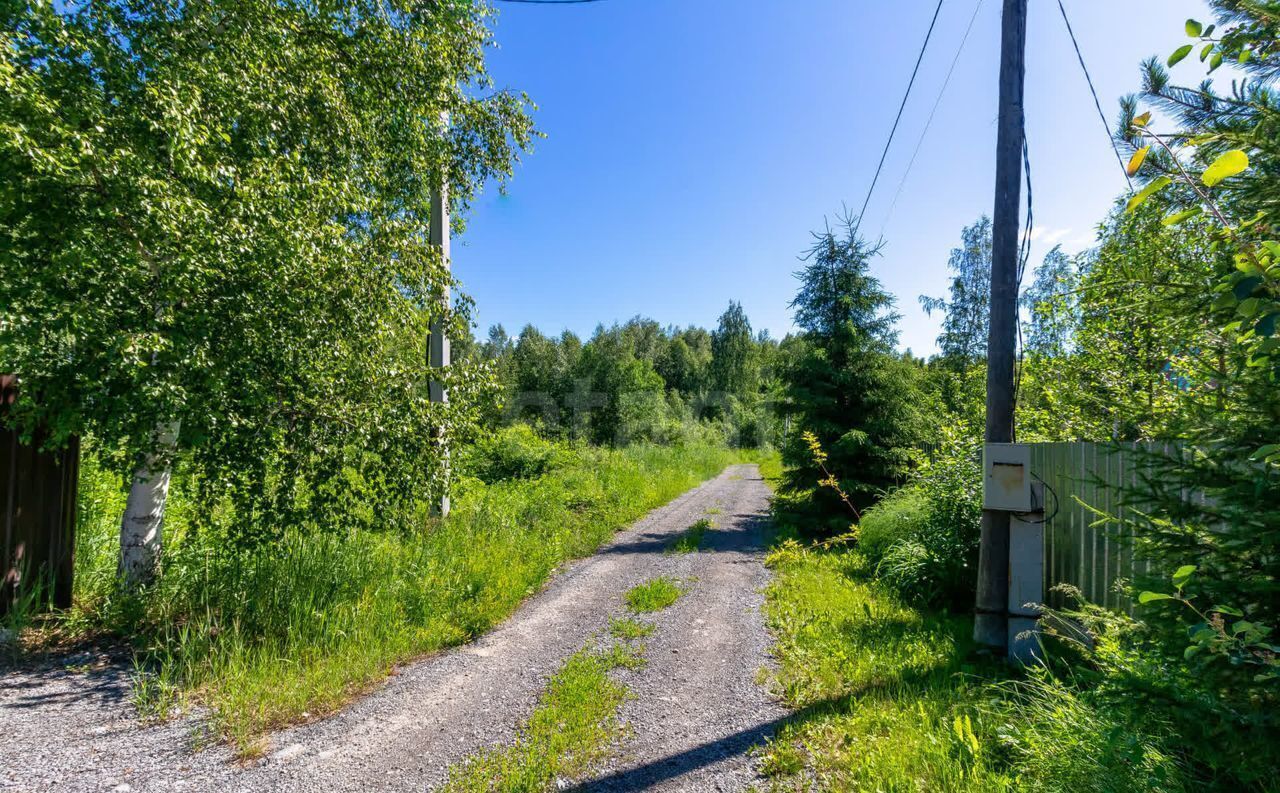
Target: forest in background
(216,218)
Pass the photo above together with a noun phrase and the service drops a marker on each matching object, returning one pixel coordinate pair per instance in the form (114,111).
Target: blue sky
(693,145)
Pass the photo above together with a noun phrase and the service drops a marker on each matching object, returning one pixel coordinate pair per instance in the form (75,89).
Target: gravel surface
(695,714)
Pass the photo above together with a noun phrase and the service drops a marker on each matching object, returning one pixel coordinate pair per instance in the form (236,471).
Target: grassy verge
(294,629)
(888,698)
(884,697)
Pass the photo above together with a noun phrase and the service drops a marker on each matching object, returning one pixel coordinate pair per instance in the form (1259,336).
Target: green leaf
(1194,29)
(1153,187)
(1150,597)
(1215,61)
(1228,610)
(1245,56)
(1135,162)
(1179,54)
(1266,326)
(1192,649)
(1266,451)
(1183,574)
(1185,214)
(1245,286)
(1227,165)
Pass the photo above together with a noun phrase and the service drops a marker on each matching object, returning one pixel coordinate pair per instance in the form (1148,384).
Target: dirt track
(696,711)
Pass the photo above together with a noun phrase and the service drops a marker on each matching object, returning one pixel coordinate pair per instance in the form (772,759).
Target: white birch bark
(142,525)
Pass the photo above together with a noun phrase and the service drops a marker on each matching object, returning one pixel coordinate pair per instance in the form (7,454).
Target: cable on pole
(1096,103)
(925,46)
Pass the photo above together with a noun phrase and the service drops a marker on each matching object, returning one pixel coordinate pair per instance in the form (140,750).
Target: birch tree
(215,241)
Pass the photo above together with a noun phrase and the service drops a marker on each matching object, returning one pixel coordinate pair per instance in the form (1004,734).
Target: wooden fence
(37,517)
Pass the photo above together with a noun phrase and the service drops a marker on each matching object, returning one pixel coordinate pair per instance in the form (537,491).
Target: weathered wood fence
(37,517)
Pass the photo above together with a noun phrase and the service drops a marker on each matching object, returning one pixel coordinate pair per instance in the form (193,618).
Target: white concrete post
(438,348)
(1026,582)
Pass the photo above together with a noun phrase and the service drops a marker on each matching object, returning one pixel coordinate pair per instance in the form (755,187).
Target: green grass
(574,724)
(297,628)
(653,595)
(628,628)
(887,698)
(576,720)
(691,538)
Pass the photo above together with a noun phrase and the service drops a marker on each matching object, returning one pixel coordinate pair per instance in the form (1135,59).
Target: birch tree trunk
(141,527)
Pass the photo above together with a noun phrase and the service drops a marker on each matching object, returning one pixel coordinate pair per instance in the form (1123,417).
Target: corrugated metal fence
(1078,549)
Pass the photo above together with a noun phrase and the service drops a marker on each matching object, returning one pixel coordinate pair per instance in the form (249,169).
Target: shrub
(924,537)
(515,452)
(898,516)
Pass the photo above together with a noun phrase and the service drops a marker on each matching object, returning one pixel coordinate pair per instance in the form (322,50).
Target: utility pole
(990,626)
(438,346)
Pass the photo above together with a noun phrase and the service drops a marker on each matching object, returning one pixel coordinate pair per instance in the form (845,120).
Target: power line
(932,113)
(1101,115)
(901,107)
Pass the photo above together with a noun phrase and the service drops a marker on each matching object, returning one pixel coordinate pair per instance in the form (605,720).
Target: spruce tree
(847,385)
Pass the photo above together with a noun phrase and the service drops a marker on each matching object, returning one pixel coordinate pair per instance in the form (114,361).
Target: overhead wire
(907,95)
(1096,102)
(929,122)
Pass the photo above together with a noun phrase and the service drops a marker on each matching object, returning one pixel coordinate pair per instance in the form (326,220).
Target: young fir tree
(847,385)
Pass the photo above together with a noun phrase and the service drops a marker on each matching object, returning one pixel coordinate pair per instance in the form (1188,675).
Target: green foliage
(572,727)
(654,595)
(887,700)
(515,452)
(628,628)
(638,382)
(895,517)
(261,635)
(216,214)
(691,539)
(845,383)
(966,313)
(923,538)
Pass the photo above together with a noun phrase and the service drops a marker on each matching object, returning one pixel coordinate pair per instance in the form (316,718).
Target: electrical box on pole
(1006,477)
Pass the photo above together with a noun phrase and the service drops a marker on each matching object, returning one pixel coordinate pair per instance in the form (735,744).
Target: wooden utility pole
(438,347)
(990,625)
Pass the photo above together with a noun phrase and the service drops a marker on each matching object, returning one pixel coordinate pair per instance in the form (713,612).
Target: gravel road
(696,710)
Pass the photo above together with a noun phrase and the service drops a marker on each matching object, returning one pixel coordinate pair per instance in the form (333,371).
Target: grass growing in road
(572,727)
(690,539)
(307,622)
(653,595)
(576,720)
(628,628)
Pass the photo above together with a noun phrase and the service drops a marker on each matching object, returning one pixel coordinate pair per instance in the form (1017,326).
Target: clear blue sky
(692,145)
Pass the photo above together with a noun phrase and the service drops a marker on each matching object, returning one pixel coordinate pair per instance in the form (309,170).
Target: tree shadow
(742,742)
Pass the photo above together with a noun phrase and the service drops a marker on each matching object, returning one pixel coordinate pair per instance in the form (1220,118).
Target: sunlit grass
(691,538)
(628,628)
(295,629)
(653,595)
(572,727)
(887,699)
